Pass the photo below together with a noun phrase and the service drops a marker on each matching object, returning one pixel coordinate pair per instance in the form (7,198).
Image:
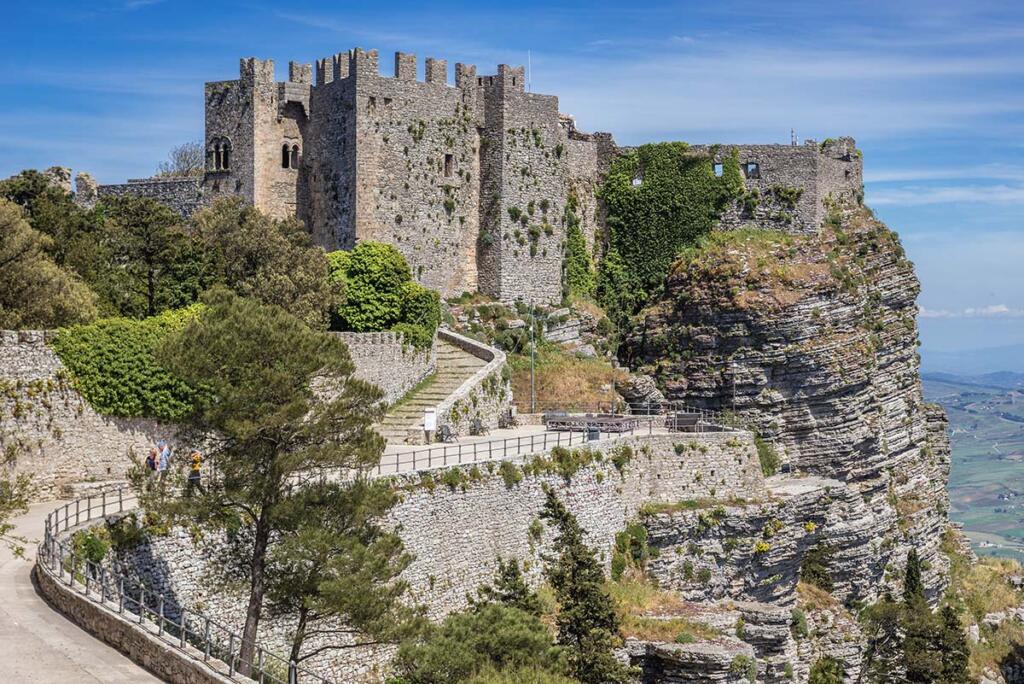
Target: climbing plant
(660,198)
(112,364)
(579,271)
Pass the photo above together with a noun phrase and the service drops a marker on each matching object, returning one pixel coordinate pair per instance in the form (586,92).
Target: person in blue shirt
(164,458)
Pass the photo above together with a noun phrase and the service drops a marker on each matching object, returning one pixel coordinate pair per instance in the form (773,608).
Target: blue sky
(932,91)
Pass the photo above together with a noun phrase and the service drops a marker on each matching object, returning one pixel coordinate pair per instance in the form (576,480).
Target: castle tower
(255,130)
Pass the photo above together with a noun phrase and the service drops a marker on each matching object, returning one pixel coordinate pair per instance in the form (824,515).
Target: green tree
(921,632)
(509,589)
(51,211)
(588,627)
(814,566)
(148,263)
(614,291)
(339,566)
(826,670)
(883,659)
(34,291)
(913,587)
(15,492)
(952,645)
(259,365)
(379,294)
(374,275)
(272,261)
(489,637)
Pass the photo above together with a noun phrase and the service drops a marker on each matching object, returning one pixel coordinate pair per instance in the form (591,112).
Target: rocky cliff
(812,342)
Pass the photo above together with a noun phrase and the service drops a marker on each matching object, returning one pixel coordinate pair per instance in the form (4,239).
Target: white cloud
(989,311)
(951,194)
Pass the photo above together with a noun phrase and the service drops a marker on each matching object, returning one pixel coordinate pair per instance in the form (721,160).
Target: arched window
(285,157)
(295,156)
(218,154)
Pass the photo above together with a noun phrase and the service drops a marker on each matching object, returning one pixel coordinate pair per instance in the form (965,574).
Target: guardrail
(447,454)
(195,635)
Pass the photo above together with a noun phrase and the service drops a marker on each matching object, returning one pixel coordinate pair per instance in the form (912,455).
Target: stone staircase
(405,420)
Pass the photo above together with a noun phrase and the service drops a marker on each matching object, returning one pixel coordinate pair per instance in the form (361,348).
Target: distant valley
(986,486)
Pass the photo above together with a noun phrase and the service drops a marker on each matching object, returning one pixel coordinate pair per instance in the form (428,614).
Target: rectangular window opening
(448,163)
(719,169)
(371,104)
(752,170)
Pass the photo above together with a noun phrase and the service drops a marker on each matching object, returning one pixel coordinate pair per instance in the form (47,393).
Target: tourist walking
(164,461)
(195,474)
(151,461)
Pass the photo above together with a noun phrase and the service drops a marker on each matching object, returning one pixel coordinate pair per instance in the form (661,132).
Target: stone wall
(183,195)
(387,361)
(55,435)
(486,396)
(127,637)
(818,172)
(52,431)
(457,534)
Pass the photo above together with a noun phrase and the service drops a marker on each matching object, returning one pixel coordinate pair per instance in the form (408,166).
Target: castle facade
(470,180)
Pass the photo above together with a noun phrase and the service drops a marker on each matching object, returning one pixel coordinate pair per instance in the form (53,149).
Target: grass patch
(652,508)
(574,381)
(419,387)
(650,614)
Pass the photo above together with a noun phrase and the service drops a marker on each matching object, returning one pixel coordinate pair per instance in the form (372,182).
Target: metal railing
(197,636)
(650,415)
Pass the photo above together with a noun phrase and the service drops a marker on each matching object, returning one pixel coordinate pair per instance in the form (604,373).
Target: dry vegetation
(564,380)
(979,589)
(650,614)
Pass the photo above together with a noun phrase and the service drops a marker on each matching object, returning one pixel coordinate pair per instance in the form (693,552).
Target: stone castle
(469,182)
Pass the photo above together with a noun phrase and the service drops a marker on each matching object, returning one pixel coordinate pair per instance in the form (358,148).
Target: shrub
(510,474)
(800,629)
(826,670)
(469,643)
(767,455)
(814,567)
(416,335)
(112,363)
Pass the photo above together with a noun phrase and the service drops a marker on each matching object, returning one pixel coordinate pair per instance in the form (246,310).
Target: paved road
(38,644)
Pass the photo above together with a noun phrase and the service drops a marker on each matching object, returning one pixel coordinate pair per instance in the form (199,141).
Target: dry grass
(815,598)
(564,380)
(647,613)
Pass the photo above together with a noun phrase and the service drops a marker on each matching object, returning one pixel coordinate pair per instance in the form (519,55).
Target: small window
(225,155)
(752,170)
(448,163)
(387,101)
(719,169)
(371,104)
(285,156)
(637,182)
(295,156)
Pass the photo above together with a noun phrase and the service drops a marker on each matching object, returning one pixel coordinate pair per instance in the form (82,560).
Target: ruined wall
(384,359)
(788,188)
(183,195)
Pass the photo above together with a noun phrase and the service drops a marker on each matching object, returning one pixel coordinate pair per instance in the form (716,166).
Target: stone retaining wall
(486,396)
(457,533)
(387,361)
(127,637)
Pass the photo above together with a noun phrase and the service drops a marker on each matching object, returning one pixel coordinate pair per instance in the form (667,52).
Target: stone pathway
(454,366)
(38,644)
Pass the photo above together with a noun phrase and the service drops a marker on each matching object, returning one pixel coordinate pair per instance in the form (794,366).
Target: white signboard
(430,419)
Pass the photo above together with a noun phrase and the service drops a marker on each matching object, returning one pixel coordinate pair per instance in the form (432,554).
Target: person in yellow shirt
(195,473)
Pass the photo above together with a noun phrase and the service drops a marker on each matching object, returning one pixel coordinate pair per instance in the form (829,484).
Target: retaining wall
(387,361)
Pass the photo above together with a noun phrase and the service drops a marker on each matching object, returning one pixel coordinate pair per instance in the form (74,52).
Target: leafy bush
(814,567)
(826,670)
(379,294)
(579,271)
(510,474)
(112,363)
(491,636)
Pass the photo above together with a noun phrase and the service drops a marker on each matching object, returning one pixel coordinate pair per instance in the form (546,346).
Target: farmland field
(986,485)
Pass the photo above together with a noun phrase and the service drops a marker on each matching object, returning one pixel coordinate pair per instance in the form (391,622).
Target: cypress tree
(952,645)
(588,627)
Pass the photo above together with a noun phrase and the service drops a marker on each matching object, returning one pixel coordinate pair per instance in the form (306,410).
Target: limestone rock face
(812,342)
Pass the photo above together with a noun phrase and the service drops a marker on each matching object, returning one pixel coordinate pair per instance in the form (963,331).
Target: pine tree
(922,661)
(883,660)
(509,589)
(588,627)
(952,645)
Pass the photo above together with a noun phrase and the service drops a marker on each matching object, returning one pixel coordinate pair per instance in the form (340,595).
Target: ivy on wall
(660,199)
(579,271)
(112,364)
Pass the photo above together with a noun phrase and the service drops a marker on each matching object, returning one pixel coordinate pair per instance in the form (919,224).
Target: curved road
(38,644)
